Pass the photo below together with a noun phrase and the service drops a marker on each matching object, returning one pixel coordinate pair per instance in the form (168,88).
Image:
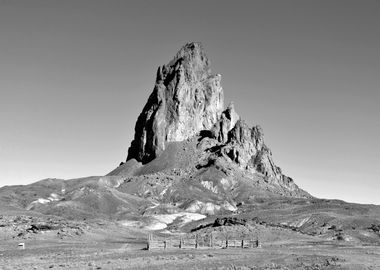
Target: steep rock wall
(186,99)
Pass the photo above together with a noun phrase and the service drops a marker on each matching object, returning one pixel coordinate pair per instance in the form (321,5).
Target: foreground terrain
(127,253)
(54,243)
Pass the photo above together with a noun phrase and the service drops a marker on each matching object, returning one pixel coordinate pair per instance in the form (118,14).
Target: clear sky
(75,74)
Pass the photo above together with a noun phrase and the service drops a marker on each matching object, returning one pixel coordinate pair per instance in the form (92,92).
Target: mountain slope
(190,159)
(183,126)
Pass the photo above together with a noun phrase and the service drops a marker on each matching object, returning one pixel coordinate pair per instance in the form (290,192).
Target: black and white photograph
(204,135)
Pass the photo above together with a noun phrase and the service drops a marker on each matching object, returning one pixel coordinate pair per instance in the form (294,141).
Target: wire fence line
(207,241)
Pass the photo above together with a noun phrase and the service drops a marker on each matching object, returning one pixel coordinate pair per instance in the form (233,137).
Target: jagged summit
(186,99)
(192,154)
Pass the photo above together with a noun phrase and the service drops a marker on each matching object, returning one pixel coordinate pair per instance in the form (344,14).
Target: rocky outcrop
(186,99)
(226,122)
(244,145)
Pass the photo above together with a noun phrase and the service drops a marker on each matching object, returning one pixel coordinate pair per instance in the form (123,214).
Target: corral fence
(203,241)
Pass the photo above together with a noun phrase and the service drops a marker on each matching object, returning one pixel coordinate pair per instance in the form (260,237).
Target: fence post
(196,241)
(258,243)
(180,242)
(149,239)
(165,244)
(242,243)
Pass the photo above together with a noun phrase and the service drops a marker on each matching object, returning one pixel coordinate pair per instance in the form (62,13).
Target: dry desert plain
(110,246)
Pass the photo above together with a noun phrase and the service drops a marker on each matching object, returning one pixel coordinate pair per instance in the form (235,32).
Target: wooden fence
(208,241)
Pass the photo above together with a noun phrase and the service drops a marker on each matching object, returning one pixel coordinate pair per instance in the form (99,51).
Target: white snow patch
(229,207)
(299,223)
(154,226)
(204,208)
(225,183)
(53,197)
(160,222)
(209,207)
(228,183)
(110,181)
(210,186)
(42,201)
(186,217)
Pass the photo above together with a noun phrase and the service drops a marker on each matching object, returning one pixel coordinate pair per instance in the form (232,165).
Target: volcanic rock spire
(186,99)
(184,126)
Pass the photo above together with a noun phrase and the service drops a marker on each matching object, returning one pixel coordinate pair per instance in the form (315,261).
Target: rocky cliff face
(245,146)
(186,99)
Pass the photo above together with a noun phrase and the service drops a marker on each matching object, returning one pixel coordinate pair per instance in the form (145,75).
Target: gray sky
(75,74)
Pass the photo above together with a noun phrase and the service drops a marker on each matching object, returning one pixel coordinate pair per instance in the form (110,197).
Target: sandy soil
(129,254)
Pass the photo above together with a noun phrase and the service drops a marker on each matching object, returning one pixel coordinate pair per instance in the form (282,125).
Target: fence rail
(201,242)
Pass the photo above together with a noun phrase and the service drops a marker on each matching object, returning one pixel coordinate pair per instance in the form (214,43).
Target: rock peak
(186,99)
(193,60)
(191,49)
(186,132)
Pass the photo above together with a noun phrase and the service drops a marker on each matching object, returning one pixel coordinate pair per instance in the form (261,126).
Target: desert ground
(110,246)
(130,255)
